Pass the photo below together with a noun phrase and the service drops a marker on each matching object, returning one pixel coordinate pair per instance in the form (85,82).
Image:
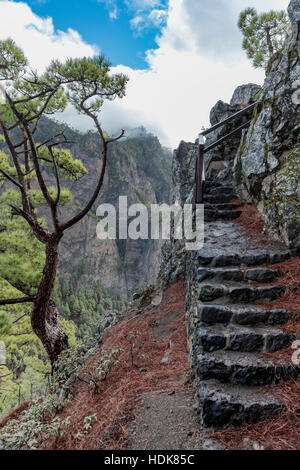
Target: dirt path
(144,402)
(165,421)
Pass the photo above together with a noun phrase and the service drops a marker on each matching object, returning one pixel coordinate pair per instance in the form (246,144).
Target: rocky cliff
(267,166)
(234,318)
(138,168)
(242,97)
(183,171)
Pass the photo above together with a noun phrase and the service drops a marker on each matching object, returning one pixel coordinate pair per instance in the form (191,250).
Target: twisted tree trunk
(44,316)
(269,42)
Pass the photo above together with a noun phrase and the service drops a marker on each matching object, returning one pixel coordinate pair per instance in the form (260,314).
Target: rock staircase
(233,332)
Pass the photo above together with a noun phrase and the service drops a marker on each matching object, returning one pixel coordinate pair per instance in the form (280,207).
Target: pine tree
(84,83)
(264,34)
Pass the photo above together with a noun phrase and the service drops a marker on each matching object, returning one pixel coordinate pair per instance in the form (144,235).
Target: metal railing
(202,149)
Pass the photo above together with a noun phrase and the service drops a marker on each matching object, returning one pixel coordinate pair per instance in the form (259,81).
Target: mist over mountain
(139,168)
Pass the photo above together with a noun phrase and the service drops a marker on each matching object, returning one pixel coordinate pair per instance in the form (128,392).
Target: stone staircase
(232,332)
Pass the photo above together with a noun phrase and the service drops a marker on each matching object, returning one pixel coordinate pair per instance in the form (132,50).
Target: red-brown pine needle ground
(120,395)
(121,392)
(251,221)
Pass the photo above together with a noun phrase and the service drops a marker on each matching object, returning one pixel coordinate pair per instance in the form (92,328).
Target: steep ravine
(139,168)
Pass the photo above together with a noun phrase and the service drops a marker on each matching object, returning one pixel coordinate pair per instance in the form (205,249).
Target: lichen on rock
(262,164)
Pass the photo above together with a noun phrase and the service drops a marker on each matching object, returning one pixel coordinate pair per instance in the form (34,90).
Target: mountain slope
(139,168)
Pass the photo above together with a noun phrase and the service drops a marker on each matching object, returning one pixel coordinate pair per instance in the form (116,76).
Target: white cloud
(184,80)
(112,8)
(38,37)
(142,21)
(142,4)
(147,13)
(136,21)
(176,94)
(157,17)
(214,23)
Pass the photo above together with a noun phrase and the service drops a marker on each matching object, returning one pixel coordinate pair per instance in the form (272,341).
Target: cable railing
(202,149)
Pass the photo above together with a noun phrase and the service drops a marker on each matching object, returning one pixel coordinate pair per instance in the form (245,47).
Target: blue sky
(181,56)
(105,24)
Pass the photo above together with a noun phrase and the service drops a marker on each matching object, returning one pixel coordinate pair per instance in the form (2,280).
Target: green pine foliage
(25,374)
(24,161)
(26,365)
(264,34)
(85,307)
(21,254)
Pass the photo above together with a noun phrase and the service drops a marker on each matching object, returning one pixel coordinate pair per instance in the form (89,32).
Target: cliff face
(138,168)
(174,255)
(267,166)
(226,281)
(243,96)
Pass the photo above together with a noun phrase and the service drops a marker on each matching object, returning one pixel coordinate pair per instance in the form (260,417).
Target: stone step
(243,368)
(214,184)
(244,260)
(216,191)
(240,315)
(238,338)
(237,274)
(224,207)
(227,405)
(217,198)
(212,215)
(238,293)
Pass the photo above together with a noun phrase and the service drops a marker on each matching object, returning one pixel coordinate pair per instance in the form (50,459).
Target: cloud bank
(198,60)
(37,36)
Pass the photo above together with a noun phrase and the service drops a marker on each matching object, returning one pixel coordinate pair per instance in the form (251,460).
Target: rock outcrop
(267,166)
(243,96)
(174,255)
(230,334)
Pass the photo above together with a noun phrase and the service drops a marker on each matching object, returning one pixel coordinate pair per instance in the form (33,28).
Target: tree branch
(60,134)
(21,300)
(42,110)
(11,179)
(41,234)
(38,171)
(37,167)
(56,175)
(34,97)
(89,205)
(20,318)
(47,160)
(109,141)
(21,181)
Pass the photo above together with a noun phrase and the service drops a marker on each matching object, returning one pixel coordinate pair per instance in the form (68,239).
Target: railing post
(200,171)
(200,168)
